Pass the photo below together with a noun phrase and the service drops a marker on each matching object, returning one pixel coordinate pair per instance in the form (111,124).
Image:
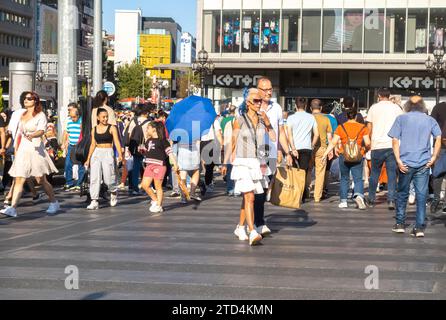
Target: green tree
(130,81)
(185,80)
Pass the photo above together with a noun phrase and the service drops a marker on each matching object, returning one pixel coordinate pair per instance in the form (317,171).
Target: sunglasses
(30,98)
(256,101)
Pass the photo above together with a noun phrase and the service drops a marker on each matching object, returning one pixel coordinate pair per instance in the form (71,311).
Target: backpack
(352,150)
(136,137)
(127,132)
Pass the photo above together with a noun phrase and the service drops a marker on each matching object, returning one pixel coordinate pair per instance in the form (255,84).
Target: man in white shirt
(380,119)
(275,115)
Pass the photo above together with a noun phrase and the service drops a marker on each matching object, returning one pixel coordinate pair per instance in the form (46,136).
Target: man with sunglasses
(275,115)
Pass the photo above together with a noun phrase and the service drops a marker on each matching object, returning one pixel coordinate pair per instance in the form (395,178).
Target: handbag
(287,187)
(83,148)
(440,166)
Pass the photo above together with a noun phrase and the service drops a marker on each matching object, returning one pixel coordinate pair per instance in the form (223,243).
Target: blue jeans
(230,184)
(136,171)
(356,170)
(378,158)
(69,170)
(420,179)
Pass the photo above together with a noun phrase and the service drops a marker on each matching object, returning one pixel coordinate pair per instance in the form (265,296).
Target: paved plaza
(190,252)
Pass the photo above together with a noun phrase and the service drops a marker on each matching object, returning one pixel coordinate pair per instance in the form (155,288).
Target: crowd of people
(400,147)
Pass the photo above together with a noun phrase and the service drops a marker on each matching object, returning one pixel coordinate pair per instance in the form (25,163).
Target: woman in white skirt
(31,158)
(250,170)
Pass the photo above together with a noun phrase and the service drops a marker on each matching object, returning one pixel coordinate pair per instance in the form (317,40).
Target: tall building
(127,30)
(164,26)
(17,33)
(188,48)
(325,49)
(156,49)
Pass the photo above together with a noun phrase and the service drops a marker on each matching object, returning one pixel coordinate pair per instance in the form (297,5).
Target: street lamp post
(437,66)
(203,66)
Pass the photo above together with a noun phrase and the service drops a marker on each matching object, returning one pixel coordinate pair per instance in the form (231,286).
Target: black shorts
(305,157)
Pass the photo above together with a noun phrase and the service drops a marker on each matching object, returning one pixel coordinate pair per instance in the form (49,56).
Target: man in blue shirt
(70,140)
(411,134)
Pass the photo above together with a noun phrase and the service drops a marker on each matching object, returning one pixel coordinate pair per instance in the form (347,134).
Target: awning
(174,66)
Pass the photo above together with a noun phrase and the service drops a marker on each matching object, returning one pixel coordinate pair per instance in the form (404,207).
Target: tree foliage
(130,81)
(185,80)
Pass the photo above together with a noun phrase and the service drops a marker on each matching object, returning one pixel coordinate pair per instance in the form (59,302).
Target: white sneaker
(240,232)
(94,205)
(113,199)
(412,199)
(254,238)
(53,208)
(10,212)
(343,205)
(263,230)
(360,202)
(156,208)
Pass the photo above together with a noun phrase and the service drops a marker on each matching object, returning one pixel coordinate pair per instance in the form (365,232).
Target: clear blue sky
(182,11)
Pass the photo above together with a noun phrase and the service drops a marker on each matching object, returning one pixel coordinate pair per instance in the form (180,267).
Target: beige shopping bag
(288,187)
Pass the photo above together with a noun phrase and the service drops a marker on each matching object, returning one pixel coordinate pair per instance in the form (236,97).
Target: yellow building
(156,49)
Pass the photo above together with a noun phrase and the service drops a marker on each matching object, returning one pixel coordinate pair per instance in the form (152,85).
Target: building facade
(164,26)
(322,48)
(127,30)
(17,33)
(188,48)
(156,49)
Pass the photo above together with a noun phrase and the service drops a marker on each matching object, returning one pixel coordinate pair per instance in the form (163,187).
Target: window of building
(270,32)
(437,28)
(250,31)
(290,31)
(395,26)
(311,30)
(353,23)
(332,31)
(374,30)
(213,38)
(231,31)
(417,31)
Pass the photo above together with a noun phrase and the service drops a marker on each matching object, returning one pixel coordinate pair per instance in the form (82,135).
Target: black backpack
(83,147)
(136,137)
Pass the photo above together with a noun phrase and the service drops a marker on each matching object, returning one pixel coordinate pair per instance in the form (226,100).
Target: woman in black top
(101,159)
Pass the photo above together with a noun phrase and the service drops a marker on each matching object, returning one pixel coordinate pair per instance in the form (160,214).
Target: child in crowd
(156,151)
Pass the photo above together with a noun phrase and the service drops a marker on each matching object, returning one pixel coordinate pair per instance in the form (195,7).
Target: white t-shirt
(382,115)
(275,116)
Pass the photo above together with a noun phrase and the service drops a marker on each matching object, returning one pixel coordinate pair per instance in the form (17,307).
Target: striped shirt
(74,131)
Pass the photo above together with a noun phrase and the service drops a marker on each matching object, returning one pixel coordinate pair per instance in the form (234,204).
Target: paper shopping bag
(288,187)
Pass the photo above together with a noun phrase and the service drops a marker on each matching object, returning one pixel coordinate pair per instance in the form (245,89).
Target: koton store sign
(228,80)
(415,82)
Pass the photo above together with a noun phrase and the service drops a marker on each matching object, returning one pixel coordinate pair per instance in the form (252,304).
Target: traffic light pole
(97,47)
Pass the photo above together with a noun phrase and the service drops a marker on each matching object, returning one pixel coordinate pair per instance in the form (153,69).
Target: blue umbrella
(190,118)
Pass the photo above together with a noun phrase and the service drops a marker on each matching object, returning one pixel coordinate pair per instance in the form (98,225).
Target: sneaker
(399,228)
(370,203)
(174,194)
(156,208)
(196,197)
(343,205)
(53,208)
(94,205)
(263,230)
(113,199)
(183,200)
(76,188)
(360,202)
(135,193)
(67,187)
(435,206)
(121,187)
(240,233)
(412,199)
(210,188)
(10,212)
(391,205)
(419,233)
(254,238)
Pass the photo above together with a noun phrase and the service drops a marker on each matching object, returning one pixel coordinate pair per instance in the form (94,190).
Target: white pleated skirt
(248,176)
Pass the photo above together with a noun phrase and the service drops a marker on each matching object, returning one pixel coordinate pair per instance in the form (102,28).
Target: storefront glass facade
(385,30)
